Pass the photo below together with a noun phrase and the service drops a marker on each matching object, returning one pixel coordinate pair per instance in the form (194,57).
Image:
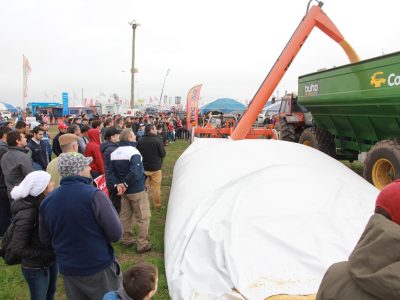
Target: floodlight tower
(134,25)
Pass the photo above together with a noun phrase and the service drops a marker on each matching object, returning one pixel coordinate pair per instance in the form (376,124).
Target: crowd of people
(62,222)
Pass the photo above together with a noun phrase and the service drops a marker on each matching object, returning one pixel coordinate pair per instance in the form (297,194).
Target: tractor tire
(286,132)
(382,163)
(319,139)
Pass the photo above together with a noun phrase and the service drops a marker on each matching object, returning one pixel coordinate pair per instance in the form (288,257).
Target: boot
(127,239)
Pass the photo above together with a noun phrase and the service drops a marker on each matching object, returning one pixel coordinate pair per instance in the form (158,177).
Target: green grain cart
(356,110)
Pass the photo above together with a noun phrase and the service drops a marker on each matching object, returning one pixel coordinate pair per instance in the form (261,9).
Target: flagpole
(162,90)
(26,69)
(134,25)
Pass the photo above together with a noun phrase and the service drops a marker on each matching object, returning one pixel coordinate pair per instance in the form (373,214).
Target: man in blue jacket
(40,157)
(111,136)
(80,223)
(127,174)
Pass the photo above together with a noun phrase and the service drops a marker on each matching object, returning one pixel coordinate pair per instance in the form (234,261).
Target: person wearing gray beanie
(37,260)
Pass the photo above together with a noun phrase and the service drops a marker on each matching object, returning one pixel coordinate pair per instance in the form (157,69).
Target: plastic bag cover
(255,218)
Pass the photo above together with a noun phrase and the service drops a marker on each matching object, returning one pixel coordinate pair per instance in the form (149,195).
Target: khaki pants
(136,205)
(153,181)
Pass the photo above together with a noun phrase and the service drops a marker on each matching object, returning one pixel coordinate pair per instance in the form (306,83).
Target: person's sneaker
(145,249)
(128,243)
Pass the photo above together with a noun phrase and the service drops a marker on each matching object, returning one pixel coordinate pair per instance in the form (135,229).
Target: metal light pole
(134,25)
(162,90)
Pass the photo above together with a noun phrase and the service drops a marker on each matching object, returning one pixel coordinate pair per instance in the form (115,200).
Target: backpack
(5,247)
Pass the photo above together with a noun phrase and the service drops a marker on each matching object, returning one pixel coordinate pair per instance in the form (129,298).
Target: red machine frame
(315,17)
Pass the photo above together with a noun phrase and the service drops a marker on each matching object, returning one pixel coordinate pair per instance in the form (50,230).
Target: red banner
(101,184)
(192,106)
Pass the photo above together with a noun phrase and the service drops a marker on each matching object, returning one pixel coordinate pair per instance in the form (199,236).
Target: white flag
(26,71)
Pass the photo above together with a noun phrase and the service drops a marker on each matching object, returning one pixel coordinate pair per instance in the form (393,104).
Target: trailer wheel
(319,139)
(286,132)
(382,163)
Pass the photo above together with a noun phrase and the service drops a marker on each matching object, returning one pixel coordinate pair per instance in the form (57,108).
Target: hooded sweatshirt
(93,150)
(373,269)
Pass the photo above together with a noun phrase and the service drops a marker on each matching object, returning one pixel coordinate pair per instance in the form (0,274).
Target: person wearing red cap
(373,269)
(388,202)
(56,144)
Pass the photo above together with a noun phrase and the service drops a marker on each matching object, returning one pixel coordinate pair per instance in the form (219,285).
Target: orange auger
(314,17)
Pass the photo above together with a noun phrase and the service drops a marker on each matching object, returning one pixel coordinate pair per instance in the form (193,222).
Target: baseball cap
(67,138)
(62,126)
(389,200)
(72,163)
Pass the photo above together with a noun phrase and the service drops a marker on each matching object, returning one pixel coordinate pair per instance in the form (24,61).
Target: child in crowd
(139,283)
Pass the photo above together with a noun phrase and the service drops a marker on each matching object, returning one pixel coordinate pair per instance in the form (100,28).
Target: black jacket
(3,150)
(39,153)
(56,144)
(25,241)
(152,149)
(106,149)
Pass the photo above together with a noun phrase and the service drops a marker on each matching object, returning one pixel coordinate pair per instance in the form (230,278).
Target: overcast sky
(227,45)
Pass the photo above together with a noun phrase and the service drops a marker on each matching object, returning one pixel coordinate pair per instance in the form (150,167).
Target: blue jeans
(170,136)
(42,281)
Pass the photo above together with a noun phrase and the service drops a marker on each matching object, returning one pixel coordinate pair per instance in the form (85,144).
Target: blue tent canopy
(8,107)
(224,105)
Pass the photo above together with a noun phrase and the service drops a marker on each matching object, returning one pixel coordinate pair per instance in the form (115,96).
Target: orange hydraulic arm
(314,17)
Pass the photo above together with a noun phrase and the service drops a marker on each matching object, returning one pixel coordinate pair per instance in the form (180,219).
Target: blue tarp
(9,107)
(225,105)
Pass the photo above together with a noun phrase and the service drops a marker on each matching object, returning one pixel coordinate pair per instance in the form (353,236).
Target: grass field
(13,286)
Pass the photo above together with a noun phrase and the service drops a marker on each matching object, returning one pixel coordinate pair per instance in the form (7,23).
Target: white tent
(263,217)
